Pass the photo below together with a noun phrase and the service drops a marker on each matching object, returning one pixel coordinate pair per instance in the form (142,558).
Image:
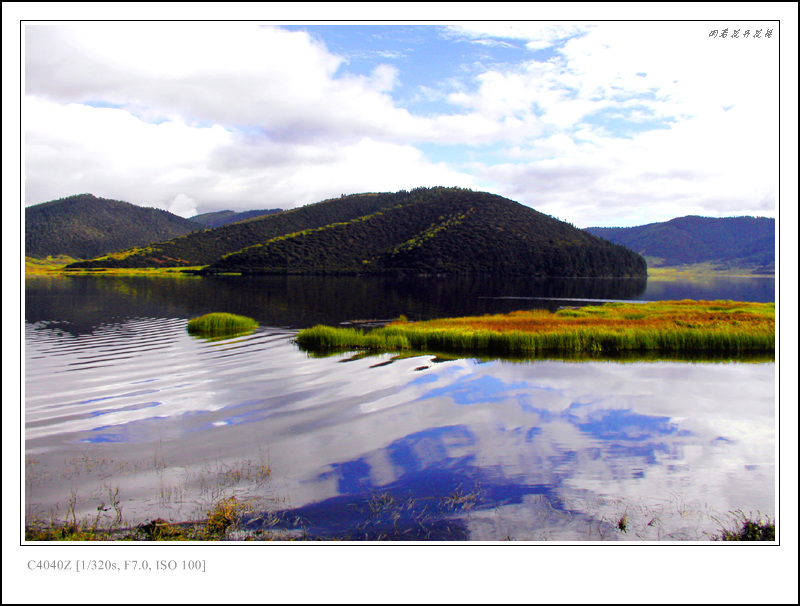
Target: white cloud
(183,206)
(700,167)
(384,77)
(366,166)
(188,71)
(236,75)
(76,148)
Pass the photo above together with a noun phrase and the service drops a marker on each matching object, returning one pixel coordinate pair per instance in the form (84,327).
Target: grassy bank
(701,271)
(57,266)
(233,519)
(709,327)
(47,265)
(222,523)
(173,272)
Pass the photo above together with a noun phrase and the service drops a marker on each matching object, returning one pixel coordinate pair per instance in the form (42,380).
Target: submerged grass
(708,327)
(236,502)
(221,324)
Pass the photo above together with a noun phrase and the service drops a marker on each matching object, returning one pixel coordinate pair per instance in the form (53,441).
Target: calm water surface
(121,405)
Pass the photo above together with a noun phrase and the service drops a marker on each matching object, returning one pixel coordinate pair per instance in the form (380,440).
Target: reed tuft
(221,324)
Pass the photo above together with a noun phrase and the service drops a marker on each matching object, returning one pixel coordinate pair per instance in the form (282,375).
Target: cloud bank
(598,124)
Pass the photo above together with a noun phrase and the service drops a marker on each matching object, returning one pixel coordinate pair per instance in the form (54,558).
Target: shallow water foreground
(137,420)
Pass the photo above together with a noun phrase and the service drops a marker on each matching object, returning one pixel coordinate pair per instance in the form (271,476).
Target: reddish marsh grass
(669,326)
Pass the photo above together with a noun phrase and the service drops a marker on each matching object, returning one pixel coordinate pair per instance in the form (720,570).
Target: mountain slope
(85,226)
(426,230)
(443,231)
(206,246)
(224,217)
(727,242)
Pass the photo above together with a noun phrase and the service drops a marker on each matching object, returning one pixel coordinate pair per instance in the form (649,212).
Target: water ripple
(91,376)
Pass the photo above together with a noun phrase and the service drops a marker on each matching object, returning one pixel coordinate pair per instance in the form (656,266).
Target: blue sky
(610,123)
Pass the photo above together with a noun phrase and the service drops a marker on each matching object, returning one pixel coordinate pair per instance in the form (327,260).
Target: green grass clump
(225,515)
(750,530)
(221,324)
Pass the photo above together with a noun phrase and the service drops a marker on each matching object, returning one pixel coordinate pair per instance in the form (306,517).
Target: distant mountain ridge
(727,242)
(426,230)
(224,217)
(85,226)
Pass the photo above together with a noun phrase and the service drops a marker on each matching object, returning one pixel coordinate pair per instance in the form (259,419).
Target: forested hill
(427,230)
(441,230)
(85,226)
(747,242)
(205,247)
(224,217)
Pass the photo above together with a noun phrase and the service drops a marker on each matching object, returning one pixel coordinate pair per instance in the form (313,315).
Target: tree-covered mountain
(746,242)
(224,217)
(85,226)
(205,247)
(427,230)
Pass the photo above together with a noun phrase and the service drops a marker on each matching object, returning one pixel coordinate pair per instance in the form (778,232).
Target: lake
(128,416)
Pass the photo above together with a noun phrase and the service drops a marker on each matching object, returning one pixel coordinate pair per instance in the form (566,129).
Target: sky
(605,123)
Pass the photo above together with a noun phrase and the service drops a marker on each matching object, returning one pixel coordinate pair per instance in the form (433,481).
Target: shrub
(750,530)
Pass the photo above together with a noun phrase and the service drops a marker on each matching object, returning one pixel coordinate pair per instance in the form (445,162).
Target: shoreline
(58,267)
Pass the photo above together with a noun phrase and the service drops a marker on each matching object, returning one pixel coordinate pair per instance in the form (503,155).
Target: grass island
(220,325)
(678,327)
